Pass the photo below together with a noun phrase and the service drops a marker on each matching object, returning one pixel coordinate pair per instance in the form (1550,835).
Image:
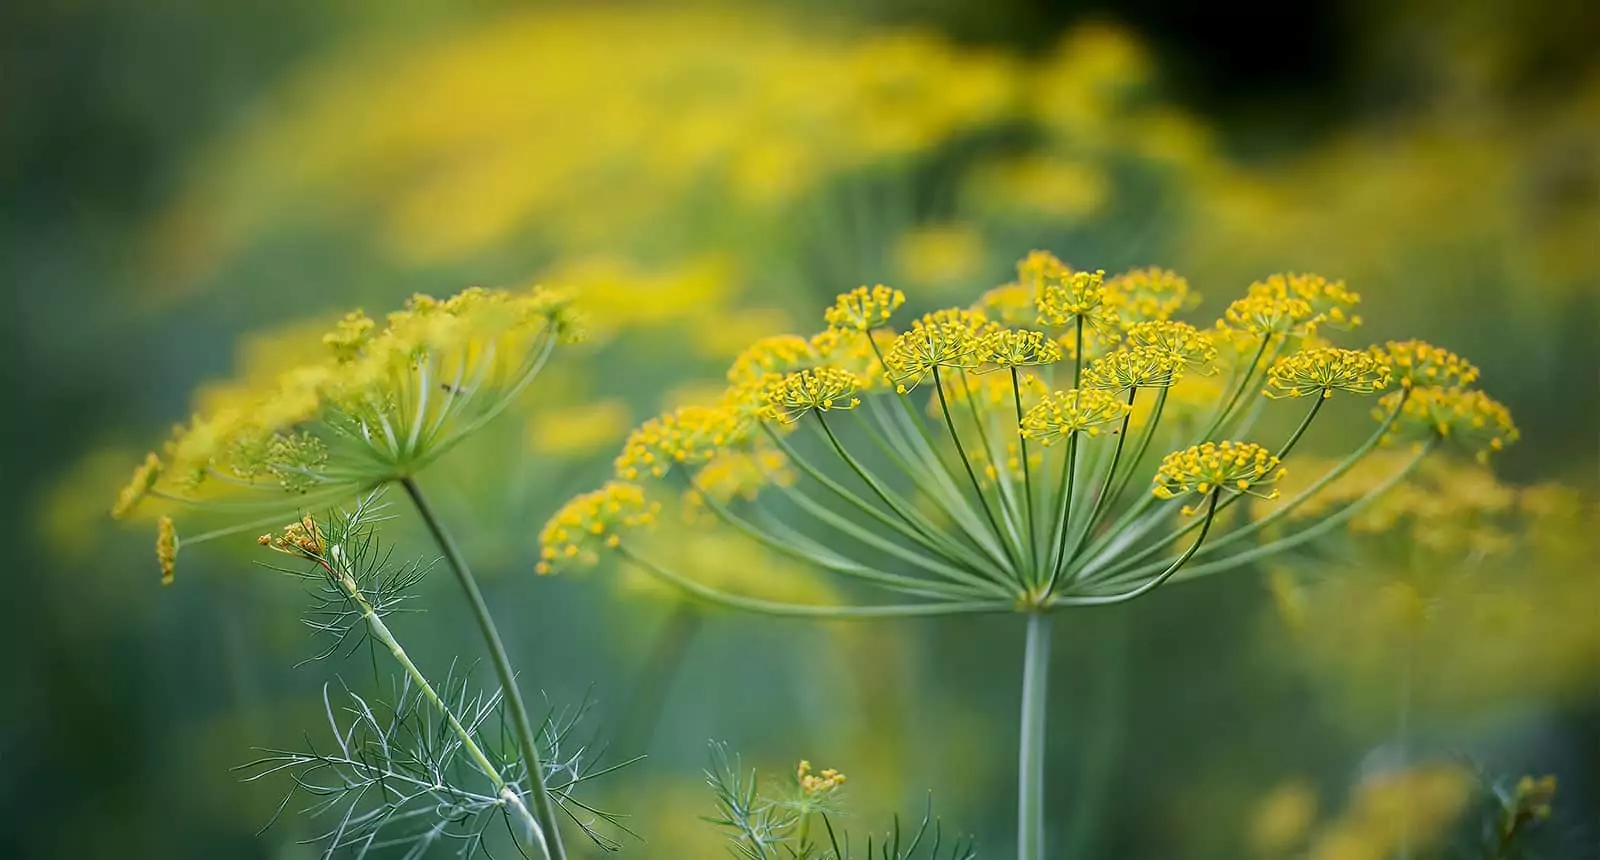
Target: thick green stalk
(1030,752)
(381,632)
(544,809)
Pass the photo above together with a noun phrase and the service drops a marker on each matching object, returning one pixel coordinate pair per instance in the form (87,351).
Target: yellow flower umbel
(378,405)
(959,499)
(1321,372)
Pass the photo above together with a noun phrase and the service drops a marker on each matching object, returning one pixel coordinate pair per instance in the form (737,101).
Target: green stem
(1027,477)
(983,500)
(1100,500)
(1069,472)
(816,612)
(1031,750)
(544,811)
(381,632)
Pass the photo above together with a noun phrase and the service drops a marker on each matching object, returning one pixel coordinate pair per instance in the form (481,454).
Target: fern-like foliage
(786,822)
(428,763)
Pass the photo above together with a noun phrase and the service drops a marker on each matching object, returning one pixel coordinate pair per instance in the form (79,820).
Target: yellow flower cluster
(1466,416)
(302,538)
(368,404)
(814,785)
(1323,371)
(1187,345)
(1266,314)
(1063,297)
(1330,301)
(863,308)
(1417,363)
(143,481)
(783,353)
(689,435)
(166,548)
(1149,294)
(789,398)
(948,338)
(735,474)
(1216,466)
(1135,367)
(1006,348)
(599,517)
(1080,410)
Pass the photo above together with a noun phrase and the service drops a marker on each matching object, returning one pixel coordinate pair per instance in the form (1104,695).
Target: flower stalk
(544,813)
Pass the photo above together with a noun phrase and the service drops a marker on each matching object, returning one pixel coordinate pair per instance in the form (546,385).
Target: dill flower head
(1188,345)
(1081,410)
(733,474)
(166,548)
(1326,370)
(814,784)
(1065,298)
(1007,348)
(1417,363)
(591,520)
(1009,304)
(947,338)
(1236,466)
(1134,367)
(689,435)
(1149,294)
(782,353)
(300,538)
(863,308)
(143,481)
(1465,416)
(790,398)
(1268,314)
(373,403)
(1329,301)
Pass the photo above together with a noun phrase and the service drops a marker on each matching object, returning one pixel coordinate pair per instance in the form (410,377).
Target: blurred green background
(176,176)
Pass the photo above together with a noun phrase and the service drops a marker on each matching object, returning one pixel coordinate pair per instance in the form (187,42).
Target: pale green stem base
(1030,753)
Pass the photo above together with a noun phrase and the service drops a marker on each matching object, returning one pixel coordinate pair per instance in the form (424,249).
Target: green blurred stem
(1030,752)
(666,658)
(381,632)
(544,812)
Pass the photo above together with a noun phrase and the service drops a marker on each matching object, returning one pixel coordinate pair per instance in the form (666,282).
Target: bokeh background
(179,178)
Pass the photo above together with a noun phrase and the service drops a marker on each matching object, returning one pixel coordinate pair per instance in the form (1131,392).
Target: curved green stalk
(1027,476)
(1031,748)
(1069,471)
(844,493)
(544,810)
(828,561)
(1329,524)
(1161,578)
(800,610)
(1004,488)
(930,476)
(901,506)
(1126,565)
(977,487)
(1100,500)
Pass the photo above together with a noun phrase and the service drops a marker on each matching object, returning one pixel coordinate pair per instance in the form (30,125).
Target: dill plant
(995,458)
(379,405)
